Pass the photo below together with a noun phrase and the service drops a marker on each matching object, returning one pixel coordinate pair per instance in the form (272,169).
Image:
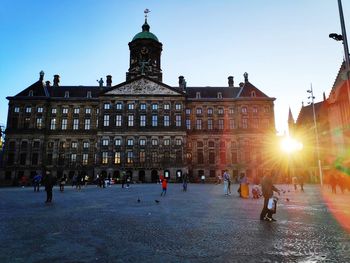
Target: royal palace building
(142,127)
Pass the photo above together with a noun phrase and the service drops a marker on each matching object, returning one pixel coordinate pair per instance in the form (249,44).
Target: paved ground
(201,225)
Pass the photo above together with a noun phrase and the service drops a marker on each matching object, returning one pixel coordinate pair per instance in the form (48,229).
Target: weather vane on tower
(146,12)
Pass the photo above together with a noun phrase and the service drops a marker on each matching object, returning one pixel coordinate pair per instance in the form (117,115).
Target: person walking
(226,178)
(36,182)
(48,182)
(63,181)
(164,187)
(78,183)
(184,182)
(267,191)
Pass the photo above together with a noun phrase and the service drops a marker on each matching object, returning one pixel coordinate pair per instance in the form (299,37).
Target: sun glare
(290,145)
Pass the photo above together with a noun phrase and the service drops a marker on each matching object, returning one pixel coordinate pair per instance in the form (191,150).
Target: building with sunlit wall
(142,127)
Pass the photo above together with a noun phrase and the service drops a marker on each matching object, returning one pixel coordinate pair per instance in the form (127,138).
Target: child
(164,187)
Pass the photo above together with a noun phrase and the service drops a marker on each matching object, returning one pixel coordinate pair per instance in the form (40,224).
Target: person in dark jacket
(267,191)
(48,182)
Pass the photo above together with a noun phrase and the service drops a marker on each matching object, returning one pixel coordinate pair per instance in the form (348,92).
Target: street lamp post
(316,133)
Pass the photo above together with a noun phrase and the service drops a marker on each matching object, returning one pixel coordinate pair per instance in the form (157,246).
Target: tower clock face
(144,50)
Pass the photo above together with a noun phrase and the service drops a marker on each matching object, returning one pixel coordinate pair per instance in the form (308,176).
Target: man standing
(184,182)
(267,191)
(48,182)
(36,182)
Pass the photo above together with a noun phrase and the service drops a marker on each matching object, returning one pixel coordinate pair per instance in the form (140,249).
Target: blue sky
(283,45)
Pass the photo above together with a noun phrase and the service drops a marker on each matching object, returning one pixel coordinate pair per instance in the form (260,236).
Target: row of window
(221,111)
(142,142)
(54,110)
(131,106)
(142,106)
(143,120)
(254,123)
(245,124)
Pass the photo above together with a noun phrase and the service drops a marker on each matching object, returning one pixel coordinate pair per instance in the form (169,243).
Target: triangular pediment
(142,86)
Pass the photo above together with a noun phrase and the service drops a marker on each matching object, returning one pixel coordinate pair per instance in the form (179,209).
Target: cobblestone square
(200,225)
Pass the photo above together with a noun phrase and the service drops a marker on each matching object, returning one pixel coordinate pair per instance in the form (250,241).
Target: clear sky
(283,45)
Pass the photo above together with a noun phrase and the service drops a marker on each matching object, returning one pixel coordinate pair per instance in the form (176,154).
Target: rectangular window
(178,120)
(255,123)
(88,111)
(178,106)
(130,142)
(142,156)
(255,109)
(85,158)
(199,111)
(53,124)
(154,120)
(16,109)
(244,123)
(104,157)
(86,145)
(231,111)
(210,124)
(154,106)
(40,109)
(130,106)
(130,157)
(75,124)
(64,124)
(73,158)
(39,123)
(117,158)
(22,158)
(166,106)
(118,120)
(28,109)
(210,111)
(200,157)
(142,142)
(130,120)
(119,106)
(244,109)
(35,158)
(178,142)
(154,142)
(74,145)
(232,124)
(65,111)
(188,124)
(36,144)
(154,157)
(166,142)
(198,124)
(188,111)
(234,158)
(221,124)
(143,106)
(220,111)
(76,110)
(118,142)
(166,120)
(87,124)
(105,142)
(106,106)
(106,120)
(142,120)
(211,157)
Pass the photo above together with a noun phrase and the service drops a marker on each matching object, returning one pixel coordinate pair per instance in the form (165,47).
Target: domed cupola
(145,52)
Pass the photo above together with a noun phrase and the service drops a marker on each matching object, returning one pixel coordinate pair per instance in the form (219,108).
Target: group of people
(338,179)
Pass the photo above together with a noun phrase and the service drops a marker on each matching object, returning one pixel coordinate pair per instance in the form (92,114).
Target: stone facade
(142,126)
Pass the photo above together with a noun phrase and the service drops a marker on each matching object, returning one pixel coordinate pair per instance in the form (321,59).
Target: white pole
(317,141)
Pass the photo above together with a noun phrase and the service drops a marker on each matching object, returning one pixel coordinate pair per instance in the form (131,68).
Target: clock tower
(145,52)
